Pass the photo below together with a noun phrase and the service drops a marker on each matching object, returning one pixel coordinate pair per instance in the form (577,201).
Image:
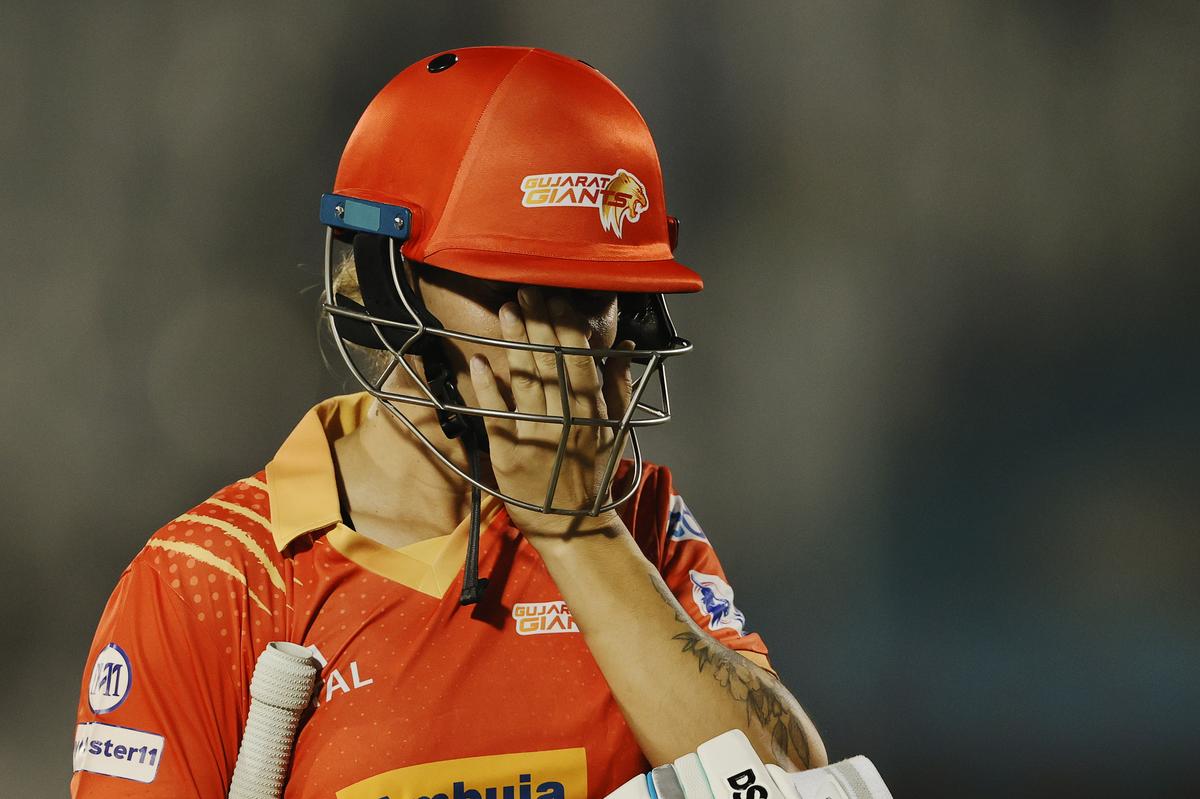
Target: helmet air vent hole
(442,62)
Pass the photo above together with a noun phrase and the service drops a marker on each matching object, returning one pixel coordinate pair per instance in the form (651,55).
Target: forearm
(676,686)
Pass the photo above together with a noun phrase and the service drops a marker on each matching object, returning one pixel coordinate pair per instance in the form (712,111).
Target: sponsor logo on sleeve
(682,525)
(714,598)
(620,197)
(112,677)
(539,618)
(117,751)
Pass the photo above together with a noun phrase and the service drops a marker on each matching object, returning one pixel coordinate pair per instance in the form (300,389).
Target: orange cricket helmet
(515,164)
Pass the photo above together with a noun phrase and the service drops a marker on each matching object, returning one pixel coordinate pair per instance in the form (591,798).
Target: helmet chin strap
(474,437)
(473,585)
(373,264)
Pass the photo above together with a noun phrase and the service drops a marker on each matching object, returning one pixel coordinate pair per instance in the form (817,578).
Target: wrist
(577,536)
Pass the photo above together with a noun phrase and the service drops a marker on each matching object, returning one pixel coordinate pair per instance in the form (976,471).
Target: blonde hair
(345,277)
(371,362)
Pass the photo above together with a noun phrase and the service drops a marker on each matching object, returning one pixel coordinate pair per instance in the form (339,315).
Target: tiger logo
(624,198)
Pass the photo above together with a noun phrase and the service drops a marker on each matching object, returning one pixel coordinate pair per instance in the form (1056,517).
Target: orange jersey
(419,696)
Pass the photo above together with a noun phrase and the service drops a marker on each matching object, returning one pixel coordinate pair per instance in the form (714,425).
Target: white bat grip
(280,690)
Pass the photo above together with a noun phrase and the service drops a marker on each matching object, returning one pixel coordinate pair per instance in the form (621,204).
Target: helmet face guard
(393,319)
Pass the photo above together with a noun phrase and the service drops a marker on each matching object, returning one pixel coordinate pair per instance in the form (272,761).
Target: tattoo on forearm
(734,673)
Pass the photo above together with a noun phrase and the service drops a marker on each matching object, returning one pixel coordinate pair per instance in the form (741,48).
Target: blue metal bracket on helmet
(352,213)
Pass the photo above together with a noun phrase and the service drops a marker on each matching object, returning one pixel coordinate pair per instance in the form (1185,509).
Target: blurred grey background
(942,416)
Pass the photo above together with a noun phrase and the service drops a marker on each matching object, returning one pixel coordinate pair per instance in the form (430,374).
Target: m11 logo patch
(112,677)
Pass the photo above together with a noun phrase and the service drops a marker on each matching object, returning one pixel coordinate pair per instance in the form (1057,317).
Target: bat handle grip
(280,690)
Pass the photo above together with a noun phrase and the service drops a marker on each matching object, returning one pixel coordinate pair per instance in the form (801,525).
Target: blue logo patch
(714,598)
(112,677)
(682,525)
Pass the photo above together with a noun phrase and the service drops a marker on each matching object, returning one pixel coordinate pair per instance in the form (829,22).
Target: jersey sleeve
(694,574)
(673,540)
(162,701)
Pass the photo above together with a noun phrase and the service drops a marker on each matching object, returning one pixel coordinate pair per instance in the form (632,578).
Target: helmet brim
(660,277)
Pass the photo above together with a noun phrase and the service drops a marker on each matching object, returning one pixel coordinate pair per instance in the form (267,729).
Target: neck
(396,490)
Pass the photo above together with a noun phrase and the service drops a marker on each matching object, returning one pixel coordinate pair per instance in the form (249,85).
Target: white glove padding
(854,778)
(727,767)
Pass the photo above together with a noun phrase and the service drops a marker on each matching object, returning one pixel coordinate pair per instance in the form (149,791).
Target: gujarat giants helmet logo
(633,201)
(620,197)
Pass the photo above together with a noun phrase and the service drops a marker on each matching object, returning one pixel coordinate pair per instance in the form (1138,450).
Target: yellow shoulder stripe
(243,538)
(201,554)
(253,516)
(254,482)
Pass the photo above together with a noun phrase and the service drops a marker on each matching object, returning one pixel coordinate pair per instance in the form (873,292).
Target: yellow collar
(301,477)
(302,484)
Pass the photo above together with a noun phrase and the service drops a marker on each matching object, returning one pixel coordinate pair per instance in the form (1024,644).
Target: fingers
(581,369)
(524,379)
(618,382)
(535,385)
(540,331)
(553,322)
(500,431)
(618,388)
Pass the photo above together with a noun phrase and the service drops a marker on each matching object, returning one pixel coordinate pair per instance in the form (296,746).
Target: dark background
(941,420)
